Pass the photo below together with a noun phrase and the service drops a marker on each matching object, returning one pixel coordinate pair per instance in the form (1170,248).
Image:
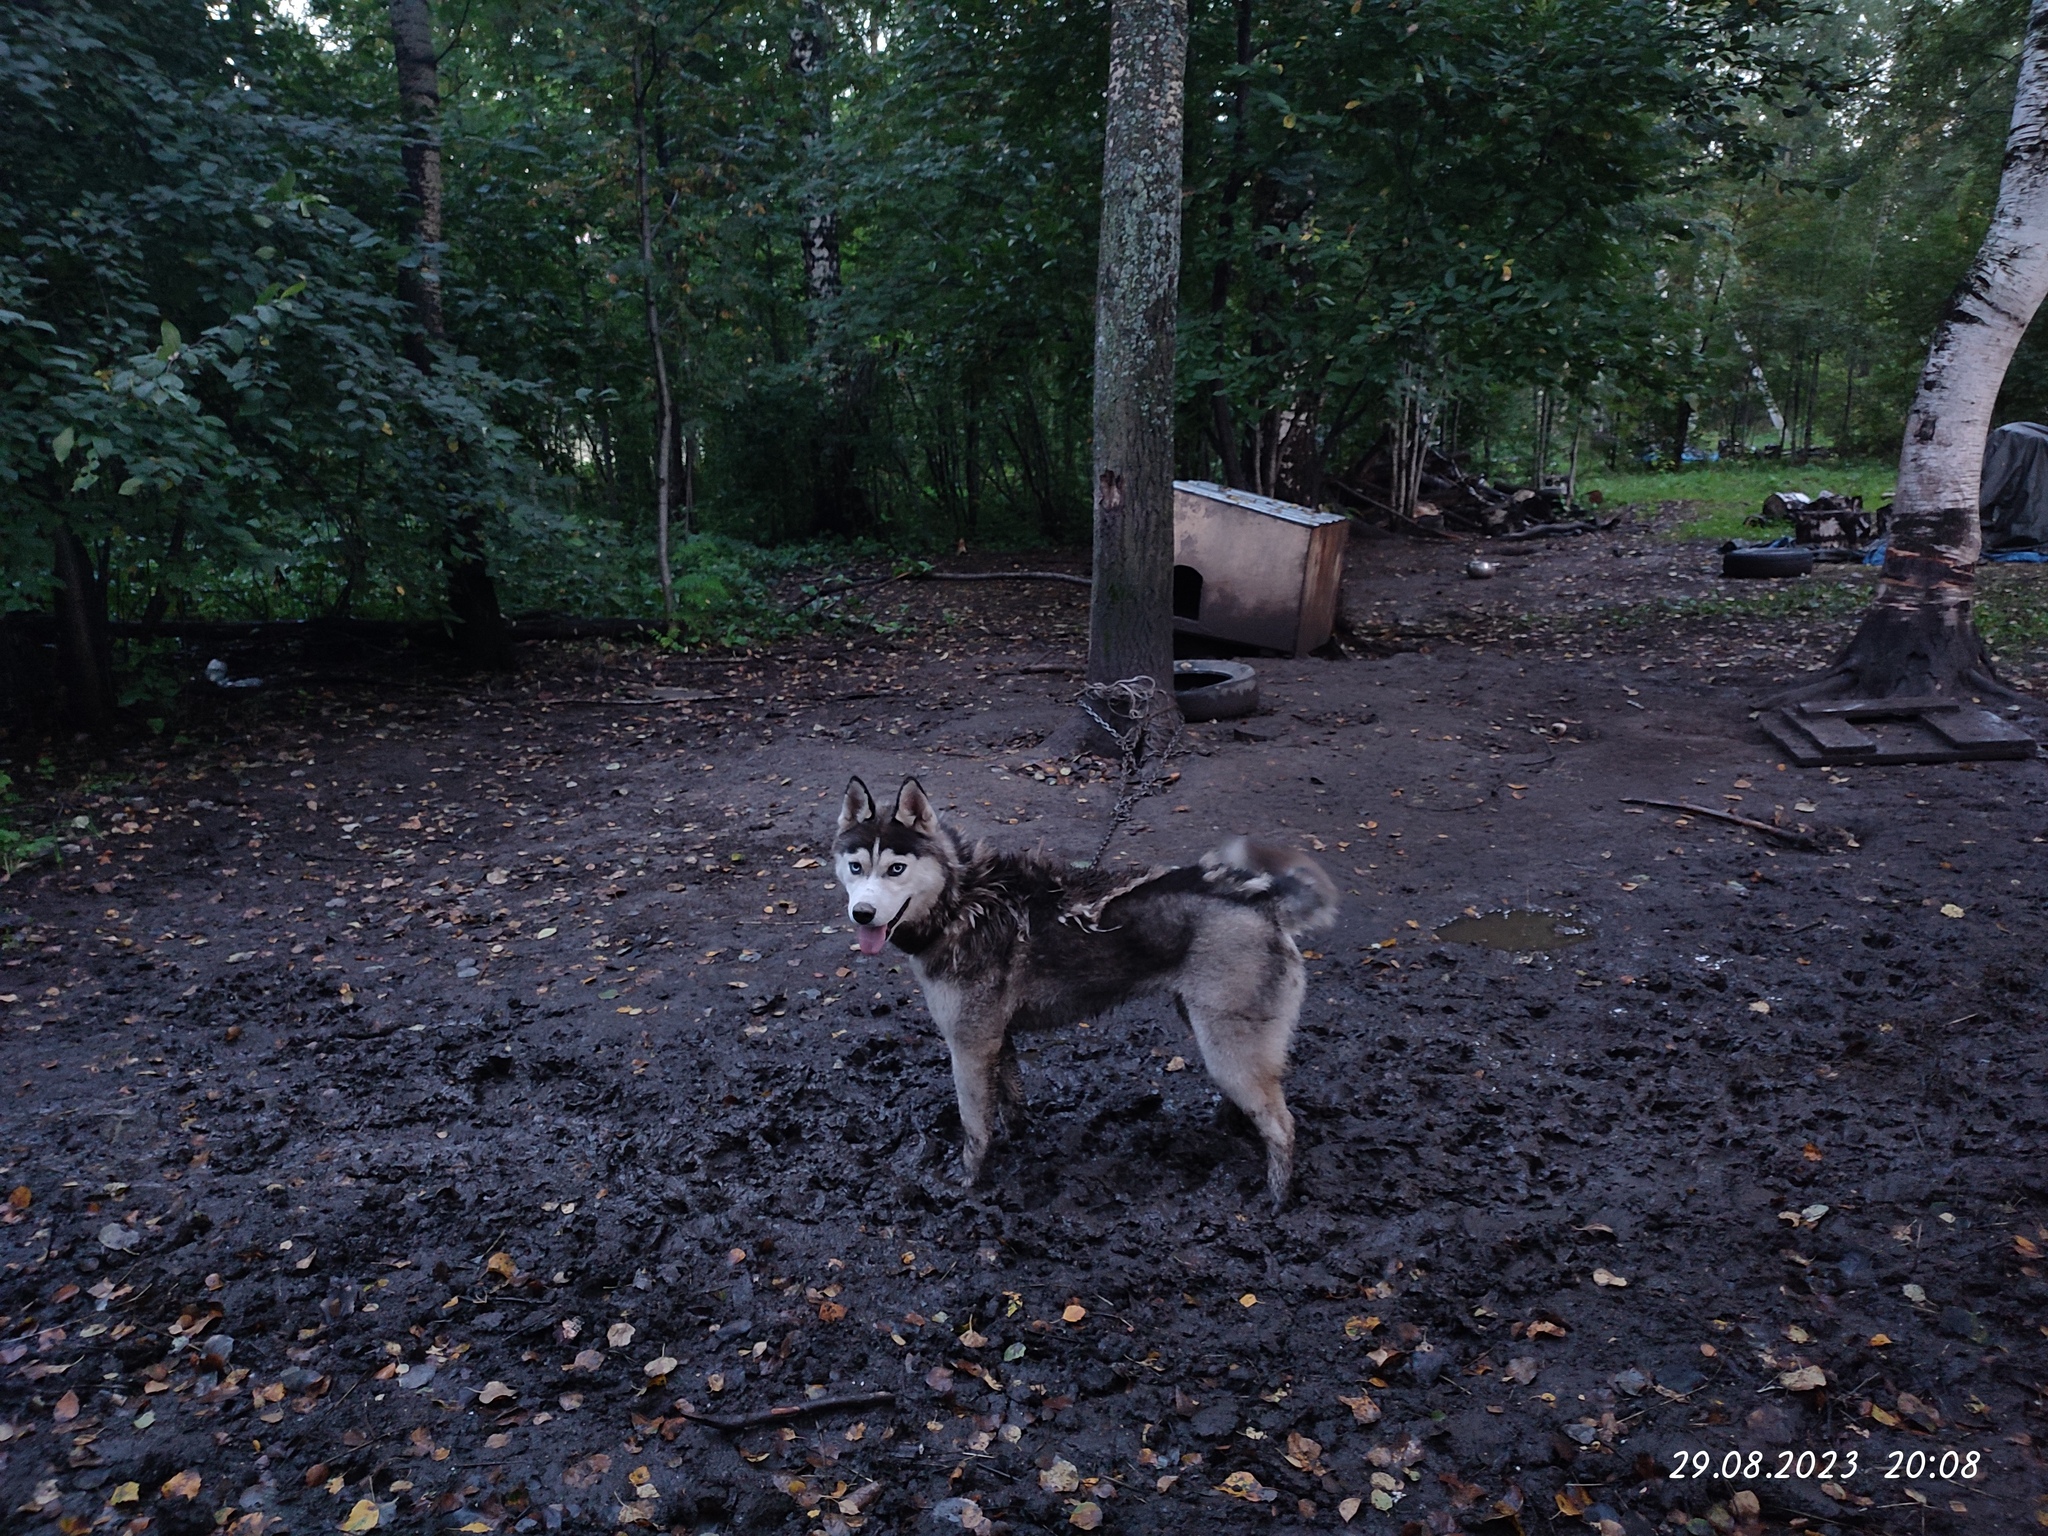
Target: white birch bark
(1918,637)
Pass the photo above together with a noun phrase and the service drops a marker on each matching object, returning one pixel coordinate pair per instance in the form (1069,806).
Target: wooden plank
(1799,746)
(1952,734)
(1983,731)
(1878,709)
(1837,737)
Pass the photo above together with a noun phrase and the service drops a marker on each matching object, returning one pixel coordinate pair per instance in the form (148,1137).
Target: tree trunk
(1571,469)
(1130,629)
(1222,419)
(472,595)
(808,47)
(664,402)
(1763,386)
(419,105)
(838,504)
(85,655)
(1918,636)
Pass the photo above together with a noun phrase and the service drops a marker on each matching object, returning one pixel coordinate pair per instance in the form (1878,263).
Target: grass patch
(2012,608)
(1823,600)
(1720,497)
(2011,612)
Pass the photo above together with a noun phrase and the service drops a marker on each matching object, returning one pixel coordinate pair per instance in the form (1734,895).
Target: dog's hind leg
(1246,1054)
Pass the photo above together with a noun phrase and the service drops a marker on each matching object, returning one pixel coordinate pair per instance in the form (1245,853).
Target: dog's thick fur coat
(1008,940)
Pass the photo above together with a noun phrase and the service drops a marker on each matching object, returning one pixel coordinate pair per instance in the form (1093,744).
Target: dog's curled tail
(1303,895)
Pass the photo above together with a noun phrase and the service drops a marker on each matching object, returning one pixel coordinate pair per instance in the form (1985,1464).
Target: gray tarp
(2013,498)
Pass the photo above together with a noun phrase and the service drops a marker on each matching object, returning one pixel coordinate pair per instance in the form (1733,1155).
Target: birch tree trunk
(472,595)
(1918,636)
(664,399)
(1130,622)
(808,44)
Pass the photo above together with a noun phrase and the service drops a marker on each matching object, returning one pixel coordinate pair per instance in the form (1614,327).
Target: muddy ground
(424,1096)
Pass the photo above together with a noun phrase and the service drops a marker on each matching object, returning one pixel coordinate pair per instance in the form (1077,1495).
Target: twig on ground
(733,1421)
(1079,581)
(1784,834)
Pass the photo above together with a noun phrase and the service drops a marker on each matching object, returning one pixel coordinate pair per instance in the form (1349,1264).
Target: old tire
(1214,690)
(1753,563)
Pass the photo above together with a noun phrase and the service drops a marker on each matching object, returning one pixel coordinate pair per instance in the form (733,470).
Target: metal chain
(1143,742)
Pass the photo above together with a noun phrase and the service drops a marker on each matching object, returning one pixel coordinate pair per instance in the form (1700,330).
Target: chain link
(1147,738)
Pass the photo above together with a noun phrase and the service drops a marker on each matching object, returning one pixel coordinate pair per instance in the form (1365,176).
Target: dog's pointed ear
(914,809)
(858,807)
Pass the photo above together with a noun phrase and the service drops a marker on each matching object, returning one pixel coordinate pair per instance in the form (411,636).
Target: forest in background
(855,246)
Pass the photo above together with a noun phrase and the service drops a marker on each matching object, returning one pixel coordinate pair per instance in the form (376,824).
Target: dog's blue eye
(897,869)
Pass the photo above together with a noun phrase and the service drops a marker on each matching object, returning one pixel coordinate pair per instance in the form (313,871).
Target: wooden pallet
(1901,730)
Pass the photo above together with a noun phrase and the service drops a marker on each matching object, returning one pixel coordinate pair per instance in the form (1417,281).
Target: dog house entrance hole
(1187,592)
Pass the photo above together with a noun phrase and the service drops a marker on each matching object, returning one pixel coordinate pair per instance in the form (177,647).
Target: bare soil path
(425,1099)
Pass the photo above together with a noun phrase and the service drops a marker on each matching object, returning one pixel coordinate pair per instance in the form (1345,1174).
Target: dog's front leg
(976,1042)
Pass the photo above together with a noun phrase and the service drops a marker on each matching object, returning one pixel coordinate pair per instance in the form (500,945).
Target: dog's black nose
(864,915)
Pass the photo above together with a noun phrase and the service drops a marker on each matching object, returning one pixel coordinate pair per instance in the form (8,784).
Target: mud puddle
(1522,931)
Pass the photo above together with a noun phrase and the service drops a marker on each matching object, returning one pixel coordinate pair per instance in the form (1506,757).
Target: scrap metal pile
(1834,527)
(1452,502)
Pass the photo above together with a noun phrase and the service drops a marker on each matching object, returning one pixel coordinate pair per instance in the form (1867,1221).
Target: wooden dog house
(1254,570)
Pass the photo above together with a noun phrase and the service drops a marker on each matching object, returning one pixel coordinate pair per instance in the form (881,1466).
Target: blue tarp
(2000,556)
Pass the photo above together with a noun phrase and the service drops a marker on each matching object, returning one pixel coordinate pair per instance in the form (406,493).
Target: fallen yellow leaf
(363,1517)
(1242,1485)
(1061,1477)
(1363,1409)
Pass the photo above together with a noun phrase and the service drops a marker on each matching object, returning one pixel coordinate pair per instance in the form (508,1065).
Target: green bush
(18,849)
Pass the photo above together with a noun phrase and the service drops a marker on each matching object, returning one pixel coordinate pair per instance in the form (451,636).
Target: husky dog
(1003,939)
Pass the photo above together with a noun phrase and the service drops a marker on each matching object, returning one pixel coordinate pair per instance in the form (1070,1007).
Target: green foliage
(1475,192)
(205,364)
(1638,207)
(18,849)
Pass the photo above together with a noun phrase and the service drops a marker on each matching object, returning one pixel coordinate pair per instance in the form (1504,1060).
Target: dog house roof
(1284,510)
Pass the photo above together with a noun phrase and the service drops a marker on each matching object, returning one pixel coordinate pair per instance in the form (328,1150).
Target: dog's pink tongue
(871,938)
